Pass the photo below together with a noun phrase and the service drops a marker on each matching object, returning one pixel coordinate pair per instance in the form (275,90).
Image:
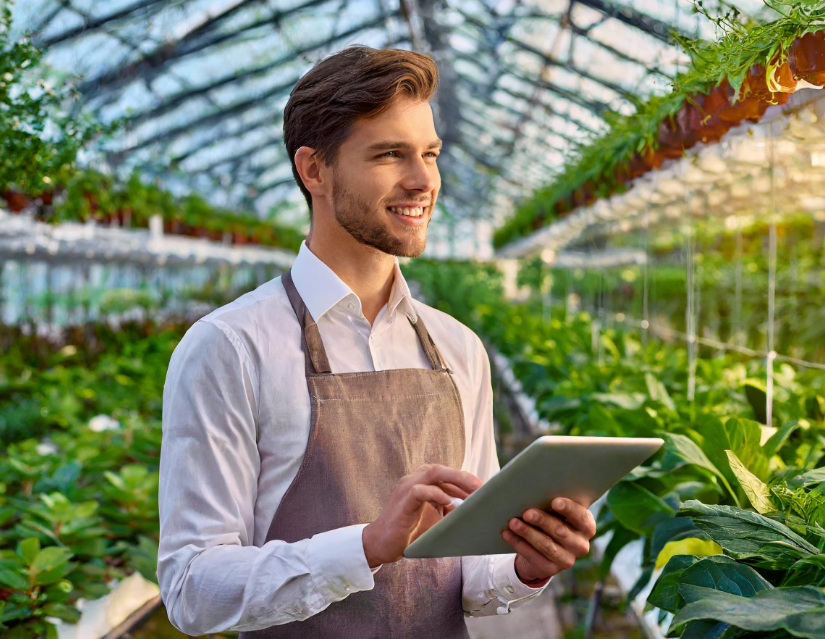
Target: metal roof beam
(475,86)
(641,21)
(181,97)
(550,61)
(97,23)
(150,65)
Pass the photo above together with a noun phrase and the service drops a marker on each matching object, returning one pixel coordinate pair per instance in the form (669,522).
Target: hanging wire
(690,315)
(771,284)
(737,337)
(645,282)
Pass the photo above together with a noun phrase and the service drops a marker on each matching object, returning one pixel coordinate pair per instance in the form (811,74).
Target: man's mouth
(408,211)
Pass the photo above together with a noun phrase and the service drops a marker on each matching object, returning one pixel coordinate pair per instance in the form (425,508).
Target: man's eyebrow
(388,146)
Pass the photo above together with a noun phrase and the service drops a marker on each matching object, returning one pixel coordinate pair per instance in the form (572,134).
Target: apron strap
(426,341)
(314,351)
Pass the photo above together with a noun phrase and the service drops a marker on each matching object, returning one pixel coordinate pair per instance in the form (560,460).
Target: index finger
(576,515)
(437,473)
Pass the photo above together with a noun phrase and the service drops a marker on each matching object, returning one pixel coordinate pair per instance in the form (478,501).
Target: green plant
(29,156)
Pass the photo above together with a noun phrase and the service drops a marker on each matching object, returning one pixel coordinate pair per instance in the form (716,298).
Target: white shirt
(236,418)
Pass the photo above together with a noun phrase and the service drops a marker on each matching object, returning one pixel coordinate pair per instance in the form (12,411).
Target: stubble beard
(355,216)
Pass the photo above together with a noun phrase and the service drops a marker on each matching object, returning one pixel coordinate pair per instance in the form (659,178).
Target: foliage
(78,498)
(36,138)
(690,502)
(747,54)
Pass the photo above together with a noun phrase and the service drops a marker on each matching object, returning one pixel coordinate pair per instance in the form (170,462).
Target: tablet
(579,468)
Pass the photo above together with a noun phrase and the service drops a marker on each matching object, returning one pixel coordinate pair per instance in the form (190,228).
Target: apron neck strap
(426,340)
(314,351)
(315,355)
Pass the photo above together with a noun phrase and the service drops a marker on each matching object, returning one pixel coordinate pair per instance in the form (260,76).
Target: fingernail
(558,505)
(515,523)
(532,516)
(561,531)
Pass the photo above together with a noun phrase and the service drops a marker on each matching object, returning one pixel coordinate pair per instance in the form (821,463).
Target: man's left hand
(548,543)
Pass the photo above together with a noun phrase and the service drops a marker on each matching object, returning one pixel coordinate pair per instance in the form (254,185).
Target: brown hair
(358,82)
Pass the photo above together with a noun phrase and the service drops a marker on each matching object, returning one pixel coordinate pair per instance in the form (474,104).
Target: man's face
(385,179)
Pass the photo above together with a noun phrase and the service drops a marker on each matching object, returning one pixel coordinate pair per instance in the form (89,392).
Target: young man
(314,427)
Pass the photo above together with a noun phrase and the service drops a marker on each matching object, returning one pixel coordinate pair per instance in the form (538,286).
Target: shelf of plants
(25,238)
(729,82)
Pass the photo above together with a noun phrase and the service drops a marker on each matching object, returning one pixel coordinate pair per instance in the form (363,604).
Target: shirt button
(509,589)
(351,306)
(346,588)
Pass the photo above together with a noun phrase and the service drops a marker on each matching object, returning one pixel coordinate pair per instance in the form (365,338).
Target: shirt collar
(321,289)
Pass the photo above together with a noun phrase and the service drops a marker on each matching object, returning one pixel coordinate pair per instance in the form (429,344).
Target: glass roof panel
(203,83)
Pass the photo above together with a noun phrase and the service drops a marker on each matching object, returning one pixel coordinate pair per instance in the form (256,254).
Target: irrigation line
(706,341)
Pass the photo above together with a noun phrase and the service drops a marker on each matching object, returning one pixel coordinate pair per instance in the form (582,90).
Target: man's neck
(367,271)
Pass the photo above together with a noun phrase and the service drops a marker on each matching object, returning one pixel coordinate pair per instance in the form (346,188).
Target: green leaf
(689,546)
(680,447)
(809,571)
(758,399)
(50,558)
(778,439)
(717,571)
(658,392)
(811,477)
(637,508)
(758,493)
(13,580)
(28,549)
(672,530)
(746,535)
(799,611)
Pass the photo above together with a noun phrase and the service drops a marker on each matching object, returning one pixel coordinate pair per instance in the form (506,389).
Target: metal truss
(207,127)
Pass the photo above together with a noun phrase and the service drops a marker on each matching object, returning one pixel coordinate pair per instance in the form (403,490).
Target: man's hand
(419,501)
(550,542)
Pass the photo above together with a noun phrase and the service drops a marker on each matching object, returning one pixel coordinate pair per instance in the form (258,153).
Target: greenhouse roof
(203,83)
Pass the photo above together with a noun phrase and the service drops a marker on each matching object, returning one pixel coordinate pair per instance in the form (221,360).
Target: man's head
(360,135)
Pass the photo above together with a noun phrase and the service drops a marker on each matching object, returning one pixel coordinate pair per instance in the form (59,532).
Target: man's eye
(388,152)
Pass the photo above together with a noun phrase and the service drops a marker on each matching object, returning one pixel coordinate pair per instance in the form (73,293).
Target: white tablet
(579,468)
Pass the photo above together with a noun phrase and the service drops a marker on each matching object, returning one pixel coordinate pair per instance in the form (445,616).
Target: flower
(46,447)
(103,422)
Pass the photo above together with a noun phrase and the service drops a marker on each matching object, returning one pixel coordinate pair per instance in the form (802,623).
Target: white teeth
(409,212)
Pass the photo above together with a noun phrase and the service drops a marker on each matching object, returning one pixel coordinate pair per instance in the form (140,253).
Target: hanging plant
(37,137)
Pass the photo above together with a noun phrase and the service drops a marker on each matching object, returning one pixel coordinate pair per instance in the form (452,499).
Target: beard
(355,215)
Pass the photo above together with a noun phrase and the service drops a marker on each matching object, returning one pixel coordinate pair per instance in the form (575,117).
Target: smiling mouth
(408,211)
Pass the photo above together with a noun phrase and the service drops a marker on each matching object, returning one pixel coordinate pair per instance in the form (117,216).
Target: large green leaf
(758,492)
(799,611)
(50,565)
(746,535)
(637,508)
(717,571)
(682,449)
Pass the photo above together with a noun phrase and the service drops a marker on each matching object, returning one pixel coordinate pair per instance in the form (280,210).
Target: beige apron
(368,430)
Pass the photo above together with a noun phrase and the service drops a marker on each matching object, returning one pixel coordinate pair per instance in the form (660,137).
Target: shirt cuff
(337,563)
(509,588)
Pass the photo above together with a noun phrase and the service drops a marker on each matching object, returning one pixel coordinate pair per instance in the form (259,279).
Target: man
(314,427)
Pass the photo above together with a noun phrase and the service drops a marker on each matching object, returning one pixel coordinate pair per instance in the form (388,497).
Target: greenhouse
(428,318)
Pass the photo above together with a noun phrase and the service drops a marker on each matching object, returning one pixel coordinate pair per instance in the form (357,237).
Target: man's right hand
(419,501)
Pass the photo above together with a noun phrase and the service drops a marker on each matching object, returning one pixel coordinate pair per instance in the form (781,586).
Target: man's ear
(309,168)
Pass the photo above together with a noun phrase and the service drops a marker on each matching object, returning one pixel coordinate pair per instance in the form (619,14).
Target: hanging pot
(807,58)
(739,107)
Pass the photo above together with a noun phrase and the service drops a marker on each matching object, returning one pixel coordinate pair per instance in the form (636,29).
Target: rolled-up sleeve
(212,578)
(491,585)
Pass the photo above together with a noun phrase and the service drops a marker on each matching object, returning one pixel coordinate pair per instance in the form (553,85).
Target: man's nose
(420,176)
